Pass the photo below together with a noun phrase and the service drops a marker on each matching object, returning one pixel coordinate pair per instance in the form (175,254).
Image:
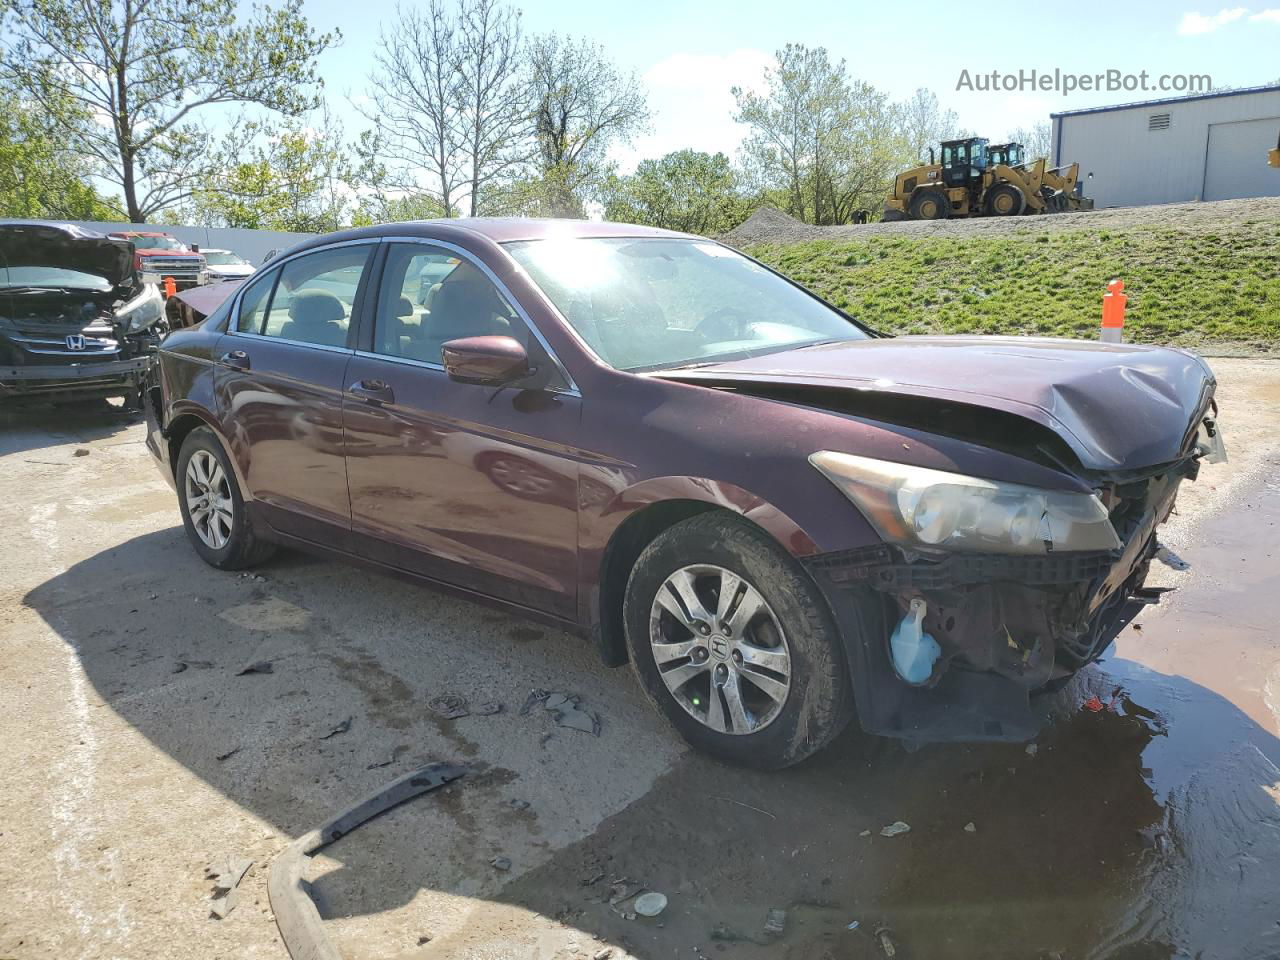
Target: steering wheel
(725,323)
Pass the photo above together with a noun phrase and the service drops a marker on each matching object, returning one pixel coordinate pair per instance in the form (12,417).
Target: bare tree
(415,105)
(143,72)
(582,106)
(1038,139)
(494,114)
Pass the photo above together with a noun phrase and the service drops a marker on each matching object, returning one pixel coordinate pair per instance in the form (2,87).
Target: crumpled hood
(64,245)
(1118,406)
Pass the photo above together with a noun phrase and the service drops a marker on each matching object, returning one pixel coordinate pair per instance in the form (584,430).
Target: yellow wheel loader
(1273,156)
(978,180)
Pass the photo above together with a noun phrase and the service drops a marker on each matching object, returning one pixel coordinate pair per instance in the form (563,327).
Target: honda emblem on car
(75,341)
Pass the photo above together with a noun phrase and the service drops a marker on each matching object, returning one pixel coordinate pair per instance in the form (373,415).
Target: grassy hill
(1199,279)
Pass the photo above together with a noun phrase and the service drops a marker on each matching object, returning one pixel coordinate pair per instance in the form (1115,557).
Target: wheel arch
(636,517)
(183,419)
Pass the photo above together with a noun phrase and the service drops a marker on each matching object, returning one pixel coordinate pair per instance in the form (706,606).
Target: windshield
(217,259)
(54,277)
(649,304)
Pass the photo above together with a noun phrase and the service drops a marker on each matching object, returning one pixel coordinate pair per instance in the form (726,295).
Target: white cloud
(692,106)
(1271,16)
(1197,23)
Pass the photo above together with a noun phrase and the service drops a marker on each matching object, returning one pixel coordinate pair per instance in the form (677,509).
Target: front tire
(213,510)
(733,643)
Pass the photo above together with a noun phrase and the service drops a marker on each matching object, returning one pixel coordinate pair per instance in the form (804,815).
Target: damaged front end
(980,598)
(74,323)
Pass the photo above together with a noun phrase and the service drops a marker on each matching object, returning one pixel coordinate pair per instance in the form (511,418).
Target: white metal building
(1210,146)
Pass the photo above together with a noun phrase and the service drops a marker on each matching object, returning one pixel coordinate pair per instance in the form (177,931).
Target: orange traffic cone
(170,287)
(1113,303)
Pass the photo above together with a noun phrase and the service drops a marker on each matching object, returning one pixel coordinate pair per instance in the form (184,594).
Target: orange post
(1113,304)
(170,287)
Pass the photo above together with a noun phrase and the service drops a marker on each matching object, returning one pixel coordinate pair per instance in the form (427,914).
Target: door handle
(236,359)
(375,392)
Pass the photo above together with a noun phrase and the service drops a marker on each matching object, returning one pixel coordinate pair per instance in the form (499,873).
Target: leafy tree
(295,177)
(686,190)
(147,71)
(582,106)
(40,178)
(832,142)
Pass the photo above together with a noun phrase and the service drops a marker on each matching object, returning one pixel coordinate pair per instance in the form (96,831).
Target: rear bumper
(103,377)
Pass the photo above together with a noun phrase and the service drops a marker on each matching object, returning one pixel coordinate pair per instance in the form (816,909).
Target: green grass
(1191,288)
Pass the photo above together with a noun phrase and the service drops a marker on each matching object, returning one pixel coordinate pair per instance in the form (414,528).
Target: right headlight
(933,510)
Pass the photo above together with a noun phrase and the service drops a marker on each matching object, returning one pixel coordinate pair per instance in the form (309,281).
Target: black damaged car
(75,324)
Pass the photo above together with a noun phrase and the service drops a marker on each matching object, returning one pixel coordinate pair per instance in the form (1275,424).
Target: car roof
(497,229)
(141,233)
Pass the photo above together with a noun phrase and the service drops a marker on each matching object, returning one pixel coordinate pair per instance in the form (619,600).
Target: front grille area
(186,267)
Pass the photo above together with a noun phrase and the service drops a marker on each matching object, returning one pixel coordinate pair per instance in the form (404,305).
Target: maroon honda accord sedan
(779,517)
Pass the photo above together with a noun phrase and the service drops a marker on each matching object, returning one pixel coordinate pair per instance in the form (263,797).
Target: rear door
(473,485)
(283,364)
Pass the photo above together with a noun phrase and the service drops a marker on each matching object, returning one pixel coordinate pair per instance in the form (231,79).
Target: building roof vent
(1158,121)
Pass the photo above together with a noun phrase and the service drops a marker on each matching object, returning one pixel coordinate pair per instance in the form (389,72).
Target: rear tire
(213,510)
(764,687)
(930,205)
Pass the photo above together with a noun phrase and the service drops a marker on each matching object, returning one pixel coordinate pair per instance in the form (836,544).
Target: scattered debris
(343,727)
(228,755)
(853,926)
(865,833)
(726,934)
(518,804)
(567,710)
(1094,705)
(1171,559)
(262,666)
(500,863)
(895,828)
(775,922)
(424,939)
(489,709)
(568,713)
(886,942)
(296,915)
(621,891)
(178,667)
(650,904)
(80,452)
(1032,750)
(448,706)
(748,806)
(603,954)
(226,876)
(970,827)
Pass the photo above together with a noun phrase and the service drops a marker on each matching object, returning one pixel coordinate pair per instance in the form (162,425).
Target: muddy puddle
(1149,828)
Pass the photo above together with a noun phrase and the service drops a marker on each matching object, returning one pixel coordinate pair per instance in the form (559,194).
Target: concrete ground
(134,753)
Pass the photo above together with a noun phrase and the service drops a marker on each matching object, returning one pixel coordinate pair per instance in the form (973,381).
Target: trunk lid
(1118,406)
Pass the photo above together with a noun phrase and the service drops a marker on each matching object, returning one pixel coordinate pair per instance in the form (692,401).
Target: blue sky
(690,54)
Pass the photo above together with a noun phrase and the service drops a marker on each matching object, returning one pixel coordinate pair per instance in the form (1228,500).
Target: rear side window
(253,304)
(316,295)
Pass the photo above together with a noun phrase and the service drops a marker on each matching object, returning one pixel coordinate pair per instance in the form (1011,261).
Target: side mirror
(492,361)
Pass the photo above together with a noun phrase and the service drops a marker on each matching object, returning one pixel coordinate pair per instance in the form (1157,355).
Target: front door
(473,485)
(283,367)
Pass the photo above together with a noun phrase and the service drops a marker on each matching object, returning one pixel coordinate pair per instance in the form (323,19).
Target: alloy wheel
(720,649)
(209,503)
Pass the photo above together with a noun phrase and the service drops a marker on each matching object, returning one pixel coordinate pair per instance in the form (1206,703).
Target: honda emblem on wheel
(75,341)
